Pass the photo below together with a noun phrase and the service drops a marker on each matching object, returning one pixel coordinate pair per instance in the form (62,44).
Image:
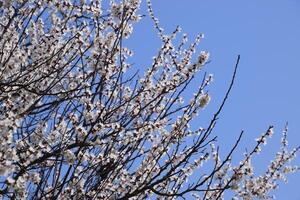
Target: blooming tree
(76,123)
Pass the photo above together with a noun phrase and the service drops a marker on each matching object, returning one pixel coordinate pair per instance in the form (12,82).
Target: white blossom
(80,120)
(204,100)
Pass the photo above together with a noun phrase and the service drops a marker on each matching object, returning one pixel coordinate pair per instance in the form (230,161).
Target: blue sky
(266,35)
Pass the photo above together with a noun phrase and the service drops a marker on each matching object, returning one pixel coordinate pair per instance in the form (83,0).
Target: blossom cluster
(76,123)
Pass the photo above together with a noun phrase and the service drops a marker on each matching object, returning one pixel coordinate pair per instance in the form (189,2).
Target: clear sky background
(266,33)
